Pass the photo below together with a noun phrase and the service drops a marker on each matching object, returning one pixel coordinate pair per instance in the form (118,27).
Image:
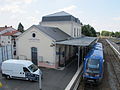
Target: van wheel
(26,79)
(8,77)
(31,80)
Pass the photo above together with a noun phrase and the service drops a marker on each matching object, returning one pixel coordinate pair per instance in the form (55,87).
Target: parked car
(20,69)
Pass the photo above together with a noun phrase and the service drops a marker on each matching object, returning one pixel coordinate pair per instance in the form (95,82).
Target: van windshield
(33,67)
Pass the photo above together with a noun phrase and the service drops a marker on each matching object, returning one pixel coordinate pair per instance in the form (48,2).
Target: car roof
(24,62)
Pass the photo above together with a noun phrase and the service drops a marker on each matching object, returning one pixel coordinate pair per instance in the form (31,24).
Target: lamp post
(78,57)
(40,86)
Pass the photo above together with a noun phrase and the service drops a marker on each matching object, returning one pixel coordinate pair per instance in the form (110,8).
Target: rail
(116,51)
(116,66)
(74,83)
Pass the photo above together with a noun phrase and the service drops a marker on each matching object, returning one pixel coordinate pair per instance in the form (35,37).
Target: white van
(20,69)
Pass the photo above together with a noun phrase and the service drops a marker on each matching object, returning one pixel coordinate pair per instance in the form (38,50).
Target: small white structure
(8,35)
(38,44)
(64,21)
(8,42)
(5,40)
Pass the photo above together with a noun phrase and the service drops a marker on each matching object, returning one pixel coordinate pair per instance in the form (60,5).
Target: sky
(100,14)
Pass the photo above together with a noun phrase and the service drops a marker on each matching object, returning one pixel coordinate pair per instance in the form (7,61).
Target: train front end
(93,70)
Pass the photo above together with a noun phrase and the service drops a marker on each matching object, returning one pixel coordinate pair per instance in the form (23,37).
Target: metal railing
(74,83)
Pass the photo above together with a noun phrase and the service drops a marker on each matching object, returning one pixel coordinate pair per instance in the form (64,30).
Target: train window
(93,65)
(93,62)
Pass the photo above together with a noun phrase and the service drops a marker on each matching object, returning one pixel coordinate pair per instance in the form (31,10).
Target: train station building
(54,42)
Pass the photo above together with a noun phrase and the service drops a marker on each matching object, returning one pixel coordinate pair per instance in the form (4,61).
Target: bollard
(0,84)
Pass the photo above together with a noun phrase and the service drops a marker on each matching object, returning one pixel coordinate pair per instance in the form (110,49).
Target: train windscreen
(93,66)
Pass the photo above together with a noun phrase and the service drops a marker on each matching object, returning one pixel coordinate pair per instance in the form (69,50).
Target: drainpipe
(78,57)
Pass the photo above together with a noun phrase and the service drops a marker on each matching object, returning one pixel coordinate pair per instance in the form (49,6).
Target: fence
(116,46)
(6,52)
(74,83)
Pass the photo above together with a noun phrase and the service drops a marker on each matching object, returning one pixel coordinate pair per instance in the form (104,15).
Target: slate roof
(60,16)
(10,33)
(54,33)
(81,41)
(62,13)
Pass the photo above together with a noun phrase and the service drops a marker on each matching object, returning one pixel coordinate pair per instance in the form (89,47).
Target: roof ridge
(61,13)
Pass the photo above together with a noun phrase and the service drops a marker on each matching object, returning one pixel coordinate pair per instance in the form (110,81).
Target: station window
(77,32)
(74,32)
(33,35)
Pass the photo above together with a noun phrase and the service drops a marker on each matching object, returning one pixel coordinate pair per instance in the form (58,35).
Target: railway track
(115,63)
(112,59)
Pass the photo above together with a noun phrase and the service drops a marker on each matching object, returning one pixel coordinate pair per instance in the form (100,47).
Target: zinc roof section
(62,13)
(60,16)
(81,41)
(53,32)
(10,33)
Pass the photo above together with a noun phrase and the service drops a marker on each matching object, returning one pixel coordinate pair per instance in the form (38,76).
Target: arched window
(74,32)
(33,49)
(34,55)
(33,35)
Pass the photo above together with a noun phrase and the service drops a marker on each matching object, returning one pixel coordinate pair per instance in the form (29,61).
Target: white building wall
(5,40)
(67,26)
(76,30)
(41,42)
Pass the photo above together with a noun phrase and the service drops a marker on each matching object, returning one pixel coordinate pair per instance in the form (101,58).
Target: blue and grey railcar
(93,64)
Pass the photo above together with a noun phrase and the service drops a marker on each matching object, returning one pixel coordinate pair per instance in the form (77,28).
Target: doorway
(34,55)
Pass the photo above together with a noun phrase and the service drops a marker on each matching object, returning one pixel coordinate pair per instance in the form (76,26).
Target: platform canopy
(81,41)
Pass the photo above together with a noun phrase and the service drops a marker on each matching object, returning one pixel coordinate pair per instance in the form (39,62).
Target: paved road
(53,80)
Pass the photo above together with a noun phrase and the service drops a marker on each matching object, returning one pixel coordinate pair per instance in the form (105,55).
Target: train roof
(96,52)
(98,46)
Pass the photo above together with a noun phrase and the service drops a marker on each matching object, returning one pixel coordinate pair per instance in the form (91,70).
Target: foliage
(98,33)
(105,33)
(112,34)
(20,27)
(117,34)
(87,30)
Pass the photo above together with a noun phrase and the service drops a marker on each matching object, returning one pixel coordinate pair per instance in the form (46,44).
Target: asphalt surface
(52,80)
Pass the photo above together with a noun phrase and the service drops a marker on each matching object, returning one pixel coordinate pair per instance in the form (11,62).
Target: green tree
(87,30)
(98,33)
(93,32)
(112,34)
(117,34)
(20,27)
(105,33)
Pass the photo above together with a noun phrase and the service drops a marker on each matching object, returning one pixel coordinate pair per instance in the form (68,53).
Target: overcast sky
(101,14)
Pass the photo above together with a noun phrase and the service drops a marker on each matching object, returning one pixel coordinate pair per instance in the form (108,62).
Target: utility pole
(40,86)
(78,57)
